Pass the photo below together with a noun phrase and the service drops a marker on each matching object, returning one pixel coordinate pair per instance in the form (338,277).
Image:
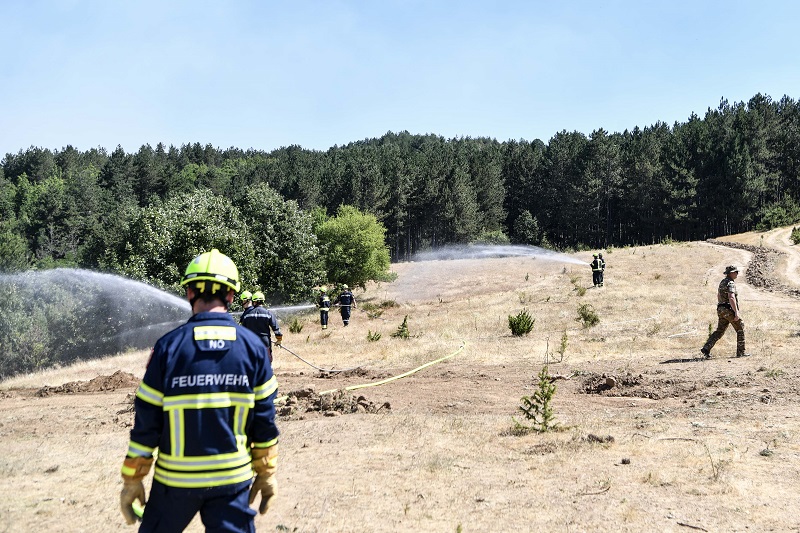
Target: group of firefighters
(206,401)
(598,265)
(257,318)
(346,302)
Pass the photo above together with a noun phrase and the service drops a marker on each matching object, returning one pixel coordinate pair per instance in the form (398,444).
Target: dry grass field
(677,444)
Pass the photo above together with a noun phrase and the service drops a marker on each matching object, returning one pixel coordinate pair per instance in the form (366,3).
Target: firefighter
(247,303)
(602,267)
(345,301)
(261,320)
(597,270)
(324,304)
(728,313)
(206,403)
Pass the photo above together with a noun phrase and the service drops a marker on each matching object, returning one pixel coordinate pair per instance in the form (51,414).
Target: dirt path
(789,266)
(768,269)
(786,263)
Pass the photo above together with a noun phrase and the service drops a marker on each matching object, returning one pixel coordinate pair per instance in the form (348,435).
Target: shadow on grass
(685,360)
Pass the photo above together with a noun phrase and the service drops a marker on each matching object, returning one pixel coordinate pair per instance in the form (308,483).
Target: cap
(731,268)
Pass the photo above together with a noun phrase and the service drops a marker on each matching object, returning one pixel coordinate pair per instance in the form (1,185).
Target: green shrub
(373,336)
(522,324)
(562,349)
(537,408)
(795,235)
(355,246)
(376,310)
(775,373)
(587,316)
(491,237)
(296,326)
(402,330)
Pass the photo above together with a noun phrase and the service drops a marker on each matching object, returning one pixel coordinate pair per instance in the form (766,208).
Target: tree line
(735,169)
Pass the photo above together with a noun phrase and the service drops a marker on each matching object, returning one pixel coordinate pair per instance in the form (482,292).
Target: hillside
(677,444)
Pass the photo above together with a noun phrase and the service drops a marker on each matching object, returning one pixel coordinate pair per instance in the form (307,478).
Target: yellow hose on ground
(388,380)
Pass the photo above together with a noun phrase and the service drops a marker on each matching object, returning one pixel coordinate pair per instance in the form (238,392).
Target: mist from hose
(283,311)
(435,274)
(291,309)
(63,315)
(485,251)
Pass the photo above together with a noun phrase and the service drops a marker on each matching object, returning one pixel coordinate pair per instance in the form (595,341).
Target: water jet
(63,315)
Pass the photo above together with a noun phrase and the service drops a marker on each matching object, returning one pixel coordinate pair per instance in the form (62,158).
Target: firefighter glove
(264,465)
(134,469)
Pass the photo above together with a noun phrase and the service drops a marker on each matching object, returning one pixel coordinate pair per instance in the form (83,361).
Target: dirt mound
(760,270)
(117,380)
(301,403)
(638,386)
(359,372)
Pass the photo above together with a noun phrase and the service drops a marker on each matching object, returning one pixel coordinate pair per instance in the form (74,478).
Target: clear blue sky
(315,73)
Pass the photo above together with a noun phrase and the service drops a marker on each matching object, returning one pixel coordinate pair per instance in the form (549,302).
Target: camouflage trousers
(726,318)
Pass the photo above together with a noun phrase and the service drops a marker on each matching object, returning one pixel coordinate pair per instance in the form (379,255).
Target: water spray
(485,251)
(63,315)
(286,310)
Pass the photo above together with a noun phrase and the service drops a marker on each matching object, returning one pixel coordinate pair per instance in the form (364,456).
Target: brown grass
(443,456)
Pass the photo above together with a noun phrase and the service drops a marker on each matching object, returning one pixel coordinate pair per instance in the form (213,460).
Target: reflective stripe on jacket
(346,299)
(206,397)
(260,321)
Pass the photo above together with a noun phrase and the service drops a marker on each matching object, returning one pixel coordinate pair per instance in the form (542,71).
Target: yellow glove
(264,463)
(134,469)
(278,339)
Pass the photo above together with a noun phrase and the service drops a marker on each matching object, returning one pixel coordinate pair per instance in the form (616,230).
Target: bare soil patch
(303,403)
(117,380)
(762,269)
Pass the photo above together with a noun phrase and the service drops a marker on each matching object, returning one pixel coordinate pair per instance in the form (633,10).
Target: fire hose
(331,370)
(388,380)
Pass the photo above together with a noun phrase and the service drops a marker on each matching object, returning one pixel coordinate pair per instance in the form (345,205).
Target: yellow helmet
(212,266)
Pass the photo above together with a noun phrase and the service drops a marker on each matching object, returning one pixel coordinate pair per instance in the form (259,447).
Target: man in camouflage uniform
(728,313)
